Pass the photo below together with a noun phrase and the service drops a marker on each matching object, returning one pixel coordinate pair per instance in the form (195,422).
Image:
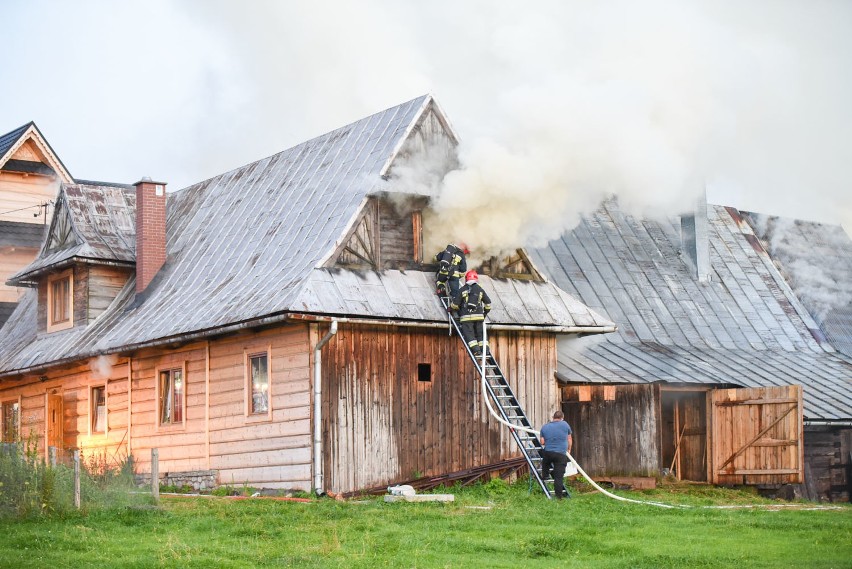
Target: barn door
(55,432)
(756,435)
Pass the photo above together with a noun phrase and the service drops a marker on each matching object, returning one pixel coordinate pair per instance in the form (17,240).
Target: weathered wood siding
(614,436)
(381,425)
(828,463)
(104,284)
(397,232)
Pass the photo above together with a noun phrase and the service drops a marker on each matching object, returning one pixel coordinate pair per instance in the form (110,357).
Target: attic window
(60,301)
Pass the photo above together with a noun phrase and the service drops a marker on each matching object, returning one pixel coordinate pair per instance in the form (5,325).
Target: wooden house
(718,372)
(274,326)
(30,174)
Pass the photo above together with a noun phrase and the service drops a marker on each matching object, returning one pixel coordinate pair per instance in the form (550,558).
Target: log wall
(828,463)
(381,424)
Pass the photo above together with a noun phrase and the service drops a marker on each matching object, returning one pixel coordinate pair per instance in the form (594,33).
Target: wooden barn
(718,372)
(30,174)
(274,326)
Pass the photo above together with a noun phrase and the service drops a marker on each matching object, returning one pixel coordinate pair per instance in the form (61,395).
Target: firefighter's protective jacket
(472,303)
(452,263)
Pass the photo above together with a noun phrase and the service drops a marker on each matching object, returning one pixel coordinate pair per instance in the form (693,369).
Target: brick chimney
(150,230)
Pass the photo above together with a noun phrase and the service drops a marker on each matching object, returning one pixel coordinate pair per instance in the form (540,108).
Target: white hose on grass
(538,434)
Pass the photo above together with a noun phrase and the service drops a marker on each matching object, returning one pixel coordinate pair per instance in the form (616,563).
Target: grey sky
(565,100)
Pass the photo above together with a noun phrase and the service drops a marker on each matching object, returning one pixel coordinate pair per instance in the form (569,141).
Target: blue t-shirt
(555,434)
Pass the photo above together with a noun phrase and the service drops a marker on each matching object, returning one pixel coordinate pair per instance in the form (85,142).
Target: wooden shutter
(756,435)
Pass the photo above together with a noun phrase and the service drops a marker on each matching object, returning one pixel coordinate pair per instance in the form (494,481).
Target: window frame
(170,368)
(52,280)
(248,354)
(93,414)
(3,403)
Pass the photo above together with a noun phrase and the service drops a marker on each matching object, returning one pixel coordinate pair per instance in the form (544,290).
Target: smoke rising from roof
(569,101)
(564,103)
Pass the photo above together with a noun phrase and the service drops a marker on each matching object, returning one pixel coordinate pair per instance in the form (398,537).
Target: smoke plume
(101,366)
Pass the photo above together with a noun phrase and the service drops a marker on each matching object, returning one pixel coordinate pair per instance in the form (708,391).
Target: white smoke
(816,258)
(568,100)
(101,366)
(562,103)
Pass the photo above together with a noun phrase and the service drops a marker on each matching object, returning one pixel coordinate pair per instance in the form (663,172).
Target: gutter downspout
(318,477)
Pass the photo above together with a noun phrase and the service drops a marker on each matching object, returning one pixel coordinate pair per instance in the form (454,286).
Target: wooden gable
(515,266)
(360,249)
(62,233)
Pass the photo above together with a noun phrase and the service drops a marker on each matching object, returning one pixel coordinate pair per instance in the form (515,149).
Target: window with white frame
(172,392)
(258,383)
(98,409)
(60,301)
(10,417)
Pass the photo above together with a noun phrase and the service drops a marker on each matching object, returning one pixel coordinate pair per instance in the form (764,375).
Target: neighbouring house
(30,174)
(718,371)
(274,326)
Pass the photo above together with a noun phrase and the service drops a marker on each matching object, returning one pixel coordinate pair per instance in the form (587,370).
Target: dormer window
(60,301)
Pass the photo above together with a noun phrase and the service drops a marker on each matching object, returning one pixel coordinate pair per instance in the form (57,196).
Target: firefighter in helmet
(472,304)
(451,269)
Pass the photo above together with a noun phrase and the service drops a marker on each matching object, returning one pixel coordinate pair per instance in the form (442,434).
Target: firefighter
(453,266)
(472,305)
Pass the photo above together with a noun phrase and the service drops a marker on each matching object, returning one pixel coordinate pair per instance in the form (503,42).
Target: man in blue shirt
(556,440)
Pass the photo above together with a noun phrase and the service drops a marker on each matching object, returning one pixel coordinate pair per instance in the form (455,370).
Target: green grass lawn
(492,525)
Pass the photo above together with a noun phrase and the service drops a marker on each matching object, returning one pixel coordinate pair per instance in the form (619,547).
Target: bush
(31,488)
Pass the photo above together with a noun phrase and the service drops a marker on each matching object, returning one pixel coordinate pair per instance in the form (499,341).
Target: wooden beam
(767,471)
(757,401)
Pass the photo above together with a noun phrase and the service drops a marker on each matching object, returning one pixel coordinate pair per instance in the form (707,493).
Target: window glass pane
(98,410)
(177,404)
(166,397)
(10,421)
(259,384)
(60,303)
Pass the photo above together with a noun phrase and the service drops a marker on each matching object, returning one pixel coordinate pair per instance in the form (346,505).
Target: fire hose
(538,433)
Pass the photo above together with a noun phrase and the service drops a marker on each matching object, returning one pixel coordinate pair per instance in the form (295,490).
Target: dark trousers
(558,461)
(472,334)
(449,287)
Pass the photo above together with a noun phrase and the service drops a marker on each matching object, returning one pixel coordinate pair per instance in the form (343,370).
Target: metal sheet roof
(103,221)
(17,234)
(743,327)
(248,245)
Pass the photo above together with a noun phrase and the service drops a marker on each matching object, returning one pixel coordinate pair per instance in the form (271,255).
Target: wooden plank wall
(18,191)
(828,463)
(617,436)
(12,260)
(104,284)
(381,425)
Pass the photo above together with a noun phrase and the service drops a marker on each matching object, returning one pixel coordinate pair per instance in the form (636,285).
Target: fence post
(51,456)
(155,475)
(77,479)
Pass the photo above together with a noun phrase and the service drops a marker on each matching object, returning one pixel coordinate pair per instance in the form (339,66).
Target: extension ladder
(508,407)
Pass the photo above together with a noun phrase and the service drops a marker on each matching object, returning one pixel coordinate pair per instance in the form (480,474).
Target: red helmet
(465,249)
(471,276)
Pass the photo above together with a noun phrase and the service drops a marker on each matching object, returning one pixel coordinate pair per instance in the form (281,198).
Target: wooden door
(55,432)
(756,435)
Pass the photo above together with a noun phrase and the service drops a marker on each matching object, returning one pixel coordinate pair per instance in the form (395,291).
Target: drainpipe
(318,481)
